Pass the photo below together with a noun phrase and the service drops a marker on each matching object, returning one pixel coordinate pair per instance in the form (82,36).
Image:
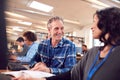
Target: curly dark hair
(109,22)
(30,36)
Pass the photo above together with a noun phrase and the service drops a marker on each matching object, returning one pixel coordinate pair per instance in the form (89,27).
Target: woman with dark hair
(99,63)
(29,39)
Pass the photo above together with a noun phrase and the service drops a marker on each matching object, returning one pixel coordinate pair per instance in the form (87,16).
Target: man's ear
(49,29)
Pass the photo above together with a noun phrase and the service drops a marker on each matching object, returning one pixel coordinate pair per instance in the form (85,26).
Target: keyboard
(16,66)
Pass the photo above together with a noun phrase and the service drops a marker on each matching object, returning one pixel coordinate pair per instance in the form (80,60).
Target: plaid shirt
(59,59)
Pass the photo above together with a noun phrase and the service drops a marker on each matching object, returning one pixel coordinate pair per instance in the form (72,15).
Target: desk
(4,70)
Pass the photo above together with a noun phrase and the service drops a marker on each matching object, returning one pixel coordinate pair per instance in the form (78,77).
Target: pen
(24,75)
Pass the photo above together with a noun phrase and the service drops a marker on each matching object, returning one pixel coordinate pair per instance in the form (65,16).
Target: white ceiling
(79,11)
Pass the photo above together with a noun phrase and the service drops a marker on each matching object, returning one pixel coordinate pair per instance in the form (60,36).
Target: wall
(87,34)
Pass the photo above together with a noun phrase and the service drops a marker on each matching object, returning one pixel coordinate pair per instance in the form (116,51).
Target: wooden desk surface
(6,70)
(1,70)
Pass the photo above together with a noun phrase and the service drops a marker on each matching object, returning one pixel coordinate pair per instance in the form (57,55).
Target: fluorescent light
(117,1)
(40,6)
(25,23)
(71,21)
(11,19)
(98,3)
(40,27)
(36,12)
(10,32)
(44,22)
(32,31)
(43,28)
(97,6)
(14,14)
(17,29)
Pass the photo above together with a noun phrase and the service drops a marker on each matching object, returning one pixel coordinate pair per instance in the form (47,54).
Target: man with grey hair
(55,55)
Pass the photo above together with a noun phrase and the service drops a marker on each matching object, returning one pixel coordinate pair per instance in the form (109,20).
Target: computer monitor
(3,37)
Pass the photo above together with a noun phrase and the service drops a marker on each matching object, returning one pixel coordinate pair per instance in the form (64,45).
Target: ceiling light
(98,3)
(97,6)
(40,27)
(14,14)
(71,21)
(32,31)
(17,29)
(11,19)
(10,32)
(117,1)
(25,23)
(43,28)
(44,22)
(41,6)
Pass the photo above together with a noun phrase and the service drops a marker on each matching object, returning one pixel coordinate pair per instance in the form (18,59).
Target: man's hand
(41,67)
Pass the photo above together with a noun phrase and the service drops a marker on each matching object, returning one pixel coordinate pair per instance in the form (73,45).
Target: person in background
(23,48)
(71,38)
(29,39)
(56,54)
(84,49)
(13,48)
(100,63)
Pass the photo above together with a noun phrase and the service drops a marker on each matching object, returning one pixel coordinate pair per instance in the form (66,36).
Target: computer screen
(3,37)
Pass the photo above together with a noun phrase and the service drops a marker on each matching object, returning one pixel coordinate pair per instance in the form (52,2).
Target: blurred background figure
(71,38)
(84,49)
(22,47)
(29,40)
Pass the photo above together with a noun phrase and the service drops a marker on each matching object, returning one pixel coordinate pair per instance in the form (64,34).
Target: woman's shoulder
(93,50)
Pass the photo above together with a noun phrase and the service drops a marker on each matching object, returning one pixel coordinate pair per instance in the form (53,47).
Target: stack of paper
(33,74)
